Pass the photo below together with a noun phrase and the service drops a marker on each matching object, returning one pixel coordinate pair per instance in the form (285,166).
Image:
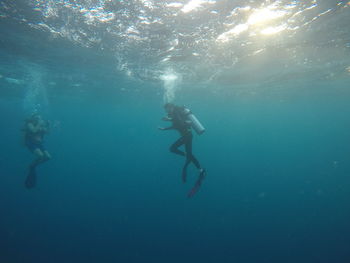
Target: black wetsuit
(33,140)
(178,118)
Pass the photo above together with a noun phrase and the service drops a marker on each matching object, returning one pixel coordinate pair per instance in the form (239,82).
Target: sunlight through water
(205,41)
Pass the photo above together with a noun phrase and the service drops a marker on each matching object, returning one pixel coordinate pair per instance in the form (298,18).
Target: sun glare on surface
(224,37)
(195,4)
(264,15)
(175,4)
(264,21)
(273,30)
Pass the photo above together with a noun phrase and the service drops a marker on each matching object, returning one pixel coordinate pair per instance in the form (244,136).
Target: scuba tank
(195,123)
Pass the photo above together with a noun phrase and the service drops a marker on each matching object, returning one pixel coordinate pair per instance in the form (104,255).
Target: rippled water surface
(203,41)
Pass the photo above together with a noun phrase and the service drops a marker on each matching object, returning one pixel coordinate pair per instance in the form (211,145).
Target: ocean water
(269,80)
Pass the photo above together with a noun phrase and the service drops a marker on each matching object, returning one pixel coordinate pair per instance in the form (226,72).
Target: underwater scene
(167,131)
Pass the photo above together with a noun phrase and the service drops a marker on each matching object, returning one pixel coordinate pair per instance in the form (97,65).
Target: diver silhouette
(183,121)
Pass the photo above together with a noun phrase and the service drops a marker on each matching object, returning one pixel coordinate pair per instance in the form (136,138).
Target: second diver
(182,122)
(34,130)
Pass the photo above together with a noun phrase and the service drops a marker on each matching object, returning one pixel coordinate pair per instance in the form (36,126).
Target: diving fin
(31,178)
(198,184)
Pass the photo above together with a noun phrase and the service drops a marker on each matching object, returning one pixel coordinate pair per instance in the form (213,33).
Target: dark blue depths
(277,188)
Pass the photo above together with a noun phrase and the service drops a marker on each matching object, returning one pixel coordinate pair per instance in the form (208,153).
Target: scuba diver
(34,130)
(183,120)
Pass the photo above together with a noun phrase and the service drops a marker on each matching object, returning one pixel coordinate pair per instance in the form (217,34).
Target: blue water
(276,150)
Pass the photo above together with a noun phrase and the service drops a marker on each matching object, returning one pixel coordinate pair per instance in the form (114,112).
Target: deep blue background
(277,188)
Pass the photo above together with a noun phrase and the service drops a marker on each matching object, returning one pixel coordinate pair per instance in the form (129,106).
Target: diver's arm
(166,128)
(45,127)
(40,127)
(167,118)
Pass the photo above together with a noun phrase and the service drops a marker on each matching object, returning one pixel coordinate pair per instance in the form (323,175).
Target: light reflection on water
(200,39)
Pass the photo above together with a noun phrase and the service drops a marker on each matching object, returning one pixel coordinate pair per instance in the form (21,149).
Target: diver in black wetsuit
(177,116)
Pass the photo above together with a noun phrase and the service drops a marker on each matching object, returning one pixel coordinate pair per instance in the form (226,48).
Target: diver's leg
(174,147)
(202,172)
(202,175)
(40,157)
(30,181)
(191,158)
(47,156)
(189,155)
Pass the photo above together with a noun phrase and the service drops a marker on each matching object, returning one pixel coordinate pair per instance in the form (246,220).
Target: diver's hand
(166,118)
(44,129)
